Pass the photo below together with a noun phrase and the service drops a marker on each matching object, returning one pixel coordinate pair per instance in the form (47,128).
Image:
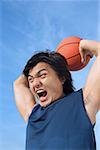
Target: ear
(63,80)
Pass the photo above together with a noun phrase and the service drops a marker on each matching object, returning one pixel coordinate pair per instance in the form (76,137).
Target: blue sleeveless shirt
(63,125)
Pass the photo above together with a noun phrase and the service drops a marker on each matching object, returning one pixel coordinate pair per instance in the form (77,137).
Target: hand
(84,49)
(22,80)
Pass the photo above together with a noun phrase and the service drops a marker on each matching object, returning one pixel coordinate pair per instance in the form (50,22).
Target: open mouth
(42,95)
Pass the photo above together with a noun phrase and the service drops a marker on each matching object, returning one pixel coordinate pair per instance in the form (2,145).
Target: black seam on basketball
(78,67)
(73,56)
(68,44)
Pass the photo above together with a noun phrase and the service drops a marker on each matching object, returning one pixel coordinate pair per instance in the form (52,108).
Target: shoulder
(84,104)
(74,98)
(78,93)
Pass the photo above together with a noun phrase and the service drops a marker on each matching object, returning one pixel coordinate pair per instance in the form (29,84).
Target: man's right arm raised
(24,99)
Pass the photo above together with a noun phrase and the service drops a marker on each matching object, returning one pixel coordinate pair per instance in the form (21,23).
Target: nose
(36,83)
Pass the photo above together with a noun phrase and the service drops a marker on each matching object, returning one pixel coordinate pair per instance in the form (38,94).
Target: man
(59,117)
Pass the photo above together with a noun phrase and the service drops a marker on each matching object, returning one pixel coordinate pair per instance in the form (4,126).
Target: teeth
(39,91)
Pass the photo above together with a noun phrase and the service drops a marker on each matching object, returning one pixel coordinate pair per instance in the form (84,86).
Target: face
(44,82)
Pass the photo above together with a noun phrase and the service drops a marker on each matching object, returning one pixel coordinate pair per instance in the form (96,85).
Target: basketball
(69,48)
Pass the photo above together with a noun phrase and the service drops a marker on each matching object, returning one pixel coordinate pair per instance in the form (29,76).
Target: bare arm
(24,99)
(91,91)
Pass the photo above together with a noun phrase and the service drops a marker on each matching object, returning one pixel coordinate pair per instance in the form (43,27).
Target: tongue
(43,96)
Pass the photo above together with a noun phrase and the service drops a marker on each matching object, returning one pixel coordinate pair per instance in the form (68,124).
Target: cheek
(54,85)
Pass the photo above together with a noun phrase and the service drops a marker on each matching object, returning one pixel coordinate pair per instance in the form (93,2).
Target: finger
(81,54)
(90,54)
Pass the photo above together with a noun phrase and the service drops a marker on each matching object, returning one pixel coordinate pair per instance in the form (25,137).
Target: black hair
(57,62)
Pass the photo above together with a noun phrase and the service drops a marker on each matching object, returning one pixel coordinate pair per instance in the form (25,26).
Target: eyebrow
(37,72)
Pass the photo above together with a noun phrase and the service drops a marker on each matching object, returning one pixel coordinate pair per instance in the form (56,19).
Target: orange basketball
(69,48)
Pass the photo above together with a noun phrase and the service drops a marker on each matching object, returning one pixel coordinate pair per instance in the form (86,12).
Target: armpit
(91,107)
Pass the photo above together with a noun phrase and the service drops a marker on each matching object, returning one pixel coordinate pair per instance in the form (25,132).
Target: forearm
(92,86)
(24,98)
(93,80)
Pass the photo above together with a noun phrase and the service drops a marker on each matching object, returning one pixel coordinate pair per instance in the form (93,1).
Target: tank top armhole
(33,110)
(82,99)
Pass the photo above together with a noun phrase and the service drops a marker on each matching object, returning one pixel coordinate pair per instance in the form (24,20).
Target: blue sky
(27,26)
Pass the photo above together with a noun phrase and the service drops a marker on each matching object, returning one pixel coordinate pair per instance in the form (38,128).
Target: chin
(45,104)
